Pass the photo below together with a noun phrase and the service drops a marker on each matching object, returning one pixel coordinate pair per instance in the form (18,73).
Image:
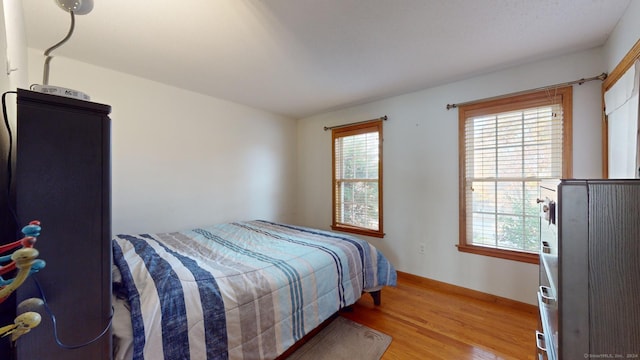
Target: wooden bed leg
(376,297)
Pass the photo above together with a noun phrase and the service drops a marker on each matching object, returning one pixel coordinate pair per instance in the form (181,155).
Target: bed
(241,290)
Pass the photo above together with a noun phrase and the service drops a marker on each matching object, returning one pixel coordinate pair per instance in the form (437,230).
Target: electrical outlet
(422,248)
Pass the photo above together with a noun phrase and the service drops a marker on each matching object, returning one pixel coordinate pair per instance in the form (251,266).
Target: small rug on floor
(344,339)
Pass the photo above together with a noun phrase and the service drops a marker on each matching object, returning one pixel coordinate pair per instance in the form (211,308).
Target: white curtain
(621,103)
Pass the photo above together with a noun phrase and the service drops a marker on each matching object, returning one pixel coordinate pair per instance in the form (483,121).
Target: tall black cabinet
(63,179)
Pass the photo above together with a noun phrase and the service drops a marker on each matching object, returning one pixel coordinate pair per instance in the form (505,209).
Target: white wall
(15,45)
(6,234)
(181,159)
(421,170)
(4,78)
(624,36)
(4,86)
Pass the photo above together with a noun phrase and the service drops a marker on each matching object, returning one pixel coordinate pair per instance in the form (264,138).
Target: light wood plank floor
(428,323)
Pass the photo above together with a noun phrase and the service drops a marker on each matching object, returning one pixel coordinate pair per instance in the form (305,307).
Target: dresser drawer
(547,340)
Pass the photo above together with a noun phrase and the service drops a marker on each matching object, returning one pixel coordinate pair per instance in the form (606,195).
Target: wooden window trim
(357,129)
(504,104)
(514,255)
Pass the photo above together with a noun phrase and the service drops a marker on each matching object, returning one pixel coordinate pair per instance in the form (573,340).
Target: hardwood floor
(429,320)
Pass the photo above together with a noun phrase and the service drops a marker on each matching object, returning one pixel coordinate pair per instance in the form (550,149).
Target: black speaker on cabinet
(63,179)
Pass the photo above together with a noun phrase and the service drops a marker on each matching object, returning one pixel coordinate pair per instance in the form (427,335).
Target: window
(507,147)
(357,178)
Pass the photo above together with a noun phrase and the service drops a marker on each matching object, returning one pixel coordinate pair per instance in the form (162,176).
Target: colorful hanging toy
(22,324)
(24,260)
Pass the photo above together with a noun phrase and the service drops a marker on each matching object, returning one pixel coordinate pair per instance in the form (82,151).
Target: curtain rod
(354,123)
(601,77)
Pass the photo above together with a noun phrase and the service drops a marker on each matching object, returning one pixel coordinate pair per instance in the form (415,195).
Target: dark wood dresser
(63,179)
(589,294)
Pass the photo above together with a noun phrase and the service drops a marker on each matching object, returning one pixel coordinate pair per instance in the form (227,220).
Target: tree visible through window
(357,178)
(507,148)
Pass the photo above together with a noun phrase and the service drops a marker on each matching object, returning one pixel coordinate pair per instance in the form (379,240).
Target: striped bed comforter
(243,290)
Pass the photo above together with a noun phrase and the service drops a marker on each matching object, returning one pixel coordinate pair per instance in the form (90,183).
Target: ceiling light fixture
(73,7)
(78,7)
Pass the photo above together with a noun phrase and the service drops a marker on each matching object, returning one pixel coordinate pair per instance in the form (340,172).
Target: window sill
(521,256)
(357,230)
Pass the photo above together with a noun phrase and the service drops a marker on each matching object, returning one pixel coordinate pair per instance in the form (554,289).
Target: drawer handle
(540,341)
(545,293)
(546,248)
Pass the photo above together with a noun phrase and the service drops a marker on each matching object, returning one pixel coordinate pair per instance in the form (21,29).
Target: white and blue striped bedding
(243,290)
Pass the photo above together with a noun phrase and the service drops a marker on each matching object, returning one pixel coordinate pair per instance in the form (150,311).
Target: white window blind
(357,173)
(507,154)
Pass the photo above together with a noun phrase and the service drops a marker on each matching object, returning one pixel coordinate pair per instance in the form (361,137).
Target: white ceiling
(302,57)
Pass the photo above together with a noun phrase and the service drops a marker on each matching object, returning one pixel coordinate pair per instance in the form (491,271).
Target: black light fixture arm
(45,72)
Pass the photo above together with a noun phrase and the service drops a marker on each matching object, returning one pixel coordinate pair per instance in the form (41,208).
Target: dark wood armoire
(63,179)
(590,272)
